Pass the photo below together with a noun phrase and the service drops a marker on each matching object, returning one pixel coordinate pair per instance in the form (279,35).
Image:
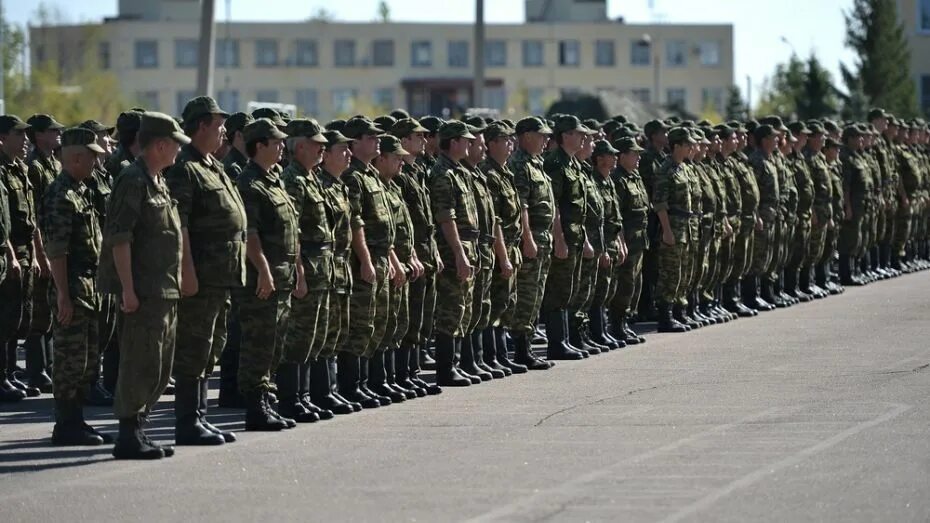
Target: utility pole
(206,51)
(478,89)
(748,96)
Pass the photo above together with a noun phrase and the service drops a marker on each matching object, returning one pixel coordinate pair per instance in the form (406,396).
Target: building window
(146,54)
(181,99)
(305,53)
(383,97)
(710,53)
(533,53)
(343,101)
(228,100)
(307,103)
(641,95)
(495,98)
(925,92)
(344,53)
(924,16)
(495,53)
(185,53)
(676,53)
(641,52)
(266,53)
(712,98)
(148,100)
(569,53)
(458,53)
(676,97)
(421,54)
(103,55)
(227,53)
(604,53)
(382,53)
(267,96)
(535,100)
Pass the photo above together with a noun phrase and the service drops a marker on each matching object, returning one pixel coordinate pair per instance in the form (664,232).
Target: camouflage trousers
(531,279)
(106,321)
(816,244)
(780,249)
(481,300)
(628,285)
(337,324)
(902,232)
(454,309)
(850,237)
(16,300)
(712,267)
(688,270)
(306,327)
(77,352)
(583,294)
(830,244)
(421,301)
(702,261)
(800,247)
(41,321)
(504,291)
(201,332)
(867,234)
(725,265)
(605,284)
(146,340)
(564,278)
(672,262)
(399,317)
(263,324)
(879,227)
(370,307)
(762,248)
(891,223)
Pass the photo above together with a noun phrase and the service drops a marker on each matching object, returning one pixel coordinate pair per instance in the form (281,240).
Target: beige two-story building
(330,69)
(915,15)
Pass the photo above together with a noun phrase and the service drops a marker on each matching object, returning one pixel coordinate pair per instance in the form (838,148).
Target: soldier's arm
(57,222)
(181,186)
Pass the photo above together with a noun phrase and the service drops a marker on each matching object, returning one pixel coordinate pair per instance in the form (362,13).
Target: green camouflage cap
(592,124)
(815,127)
(160,125)
(391,144)
(737,126)
(830,142)
(700,136)
(680,135)
(305,128)
(400,114)
(80,137)
(454,129)
(876,113)
(129,121)
(724,131)
(497,130)
(385,121)
(603,147)
(11,122)
(433,123)
(776,123)
(831,126)
(628,145)
(96,127)
(764,131)
(43,122)
(334,137)
(610,126)
(407,126)
(262,129)
(271,114)
(236,122)
(798,128)
(568,123)
(201,106)
(852,131)
(532,124)
(336,125)
(476,124)
(619,118)
(357,127)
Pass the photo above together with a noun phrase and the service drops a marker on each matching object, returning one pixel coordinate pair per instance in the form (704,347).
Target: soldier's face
(14,144)
(572,141)
(314,152)
(476,149)
(48,140)
(336,158)
(629,161)
(816,141)
(415,143)
(533,142)
(367,146)
(216,131)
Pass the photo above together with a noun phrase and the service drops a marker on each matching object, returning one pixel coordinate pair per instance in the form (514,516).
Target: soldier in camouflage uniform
(821,208)
(857,190)
(456,214)
(127,129)
(804,183)
(509,211)
(910,176)
(767,178)
(570,242)
(656,134)
(9,267)
(372,242)
(739,214)
(45,135)
(273,273)
(73,241)
(141,263)
(309,317)
(890,189)
(744,231)
(538,207)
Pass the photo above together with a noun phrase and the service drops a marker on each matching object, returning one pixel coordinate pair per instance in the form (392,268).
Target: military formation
(322,268)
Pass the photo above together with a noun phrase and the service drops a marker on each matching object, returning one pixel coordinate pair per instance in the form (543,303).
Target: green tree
(780,93)
(883,63)
(384,12)
(736,106)
(855,103)
(818,95)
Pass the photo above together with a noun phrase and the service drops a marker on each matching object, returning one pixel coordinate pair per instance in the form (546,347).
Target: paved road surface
(815,413)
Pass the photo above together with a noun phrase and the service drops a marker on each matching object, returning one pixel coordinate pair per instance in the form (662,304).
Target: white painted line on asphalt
(755,476)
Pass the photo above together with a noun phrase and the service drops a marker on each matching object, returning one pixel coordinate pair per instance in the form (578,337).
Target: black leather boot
(377,377)
(348,379)
(414,371)
(69,426)
(188,430)
(768,295)
(365,374)
(204,384)
(477,346)
(446,373)
(303,392)
(401,372)
(523,354)
(489,351)
(678,312)
(130,443)
(289,405)
(666,321)
(500,345)
(558,347)
(599,329)
(333,369)
(573,335)
(315,379)
(259,416)
(36,364)
(464,353)
(97,396)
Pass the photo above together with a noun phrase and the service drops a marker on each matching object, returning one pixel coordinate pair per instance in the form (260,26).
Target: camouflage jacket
(633,205)
(339,213)
(672,193)
(453,200)
(270,215)
(568,190)
(766,173)
(22,205)
(535,193)
(412,183)
(370,207)
(823,188)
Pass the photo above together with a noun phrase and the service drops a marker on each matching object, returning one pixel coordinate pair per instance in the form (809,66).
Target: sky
(765,32)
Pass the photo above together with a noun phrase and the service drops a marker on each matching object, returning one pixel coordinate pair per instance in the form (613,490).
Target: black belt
(681,212)
(379,250)
(315,248)
(486,239)
(218,237)
(469,234)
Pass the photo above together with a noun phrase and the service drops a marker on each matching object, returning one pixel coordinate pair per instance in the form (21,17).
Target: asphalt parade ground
(818,412)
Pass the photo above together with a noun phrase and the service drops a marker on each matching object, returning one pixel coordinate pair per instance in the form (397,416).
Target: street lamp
(653,44)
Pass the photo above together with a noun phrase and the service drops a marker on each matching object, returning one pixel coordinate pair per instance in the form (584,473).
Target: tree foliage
(736,107)
(800,89)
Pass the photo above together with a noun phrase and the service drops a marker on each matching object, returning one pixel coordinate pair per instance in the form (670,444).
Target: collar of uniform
(71,182)
(327,177)
(296,168)
(4,158)
(268,175)
(493,165)
(206,159)
(442,158)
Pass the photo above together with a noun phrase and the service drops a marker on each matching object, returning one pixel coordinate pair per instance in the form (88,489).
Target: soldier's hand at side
(190,285)
(668,238)
(561,249)
(814,221)
(439,265)
(45,270)
(463,268)
(604,261)
(65,310)
(399,279)
(759,225)
(301,289)
(265,285)
(506,269)
(530,249)
(16,270)
(130,302)
(368,273)
(848,214)
(587,250)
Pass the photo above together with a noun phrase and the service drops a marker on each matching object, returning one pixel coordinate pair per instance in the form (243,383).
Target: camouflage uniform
(16,294)
(270,216)
(399,317)
(71,230)
(338,212)
(633,205)
(672,193)
(487,220)
(42,171)
(650,162)
(910,179)
(744,245)
(767,178)
(613,227)
(594,231)
(508,209)
(822,205)
(857,182)
(568,190)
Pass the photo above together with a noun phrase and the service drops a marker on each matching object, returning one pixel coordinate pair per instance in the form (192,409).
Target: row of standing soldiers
(322,280)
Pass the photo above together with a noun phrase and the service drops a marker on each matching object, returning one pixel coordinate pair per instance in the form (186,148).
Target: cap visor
(402,152)
(181,138)
(468,135)
(96,148)
(277,134)
(419,129)
(545,130)
(319,138)
(21,126)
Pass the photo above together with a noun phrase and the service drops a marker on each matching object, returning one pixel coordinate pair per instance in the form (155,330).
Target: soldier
(830,279)
(671,200)
(821,208)
(570,242)
(212,263)
(8,266)
(422,291)
(633,205)
(745,197)
(535,191)
(857,191)
(799,244)
(17,291)
(372,241)
(127,130)
(73,240)
(766,174)
(45,135)
(509,211)
(656,135)
(141,263)
(910,179)
(273,273)
(323,371)
(306,330)
(236,159)
(455,212)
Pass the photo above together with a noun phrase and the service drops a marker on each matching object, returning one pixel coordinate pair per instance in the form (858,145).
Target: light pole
(653,44)
(478,87)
